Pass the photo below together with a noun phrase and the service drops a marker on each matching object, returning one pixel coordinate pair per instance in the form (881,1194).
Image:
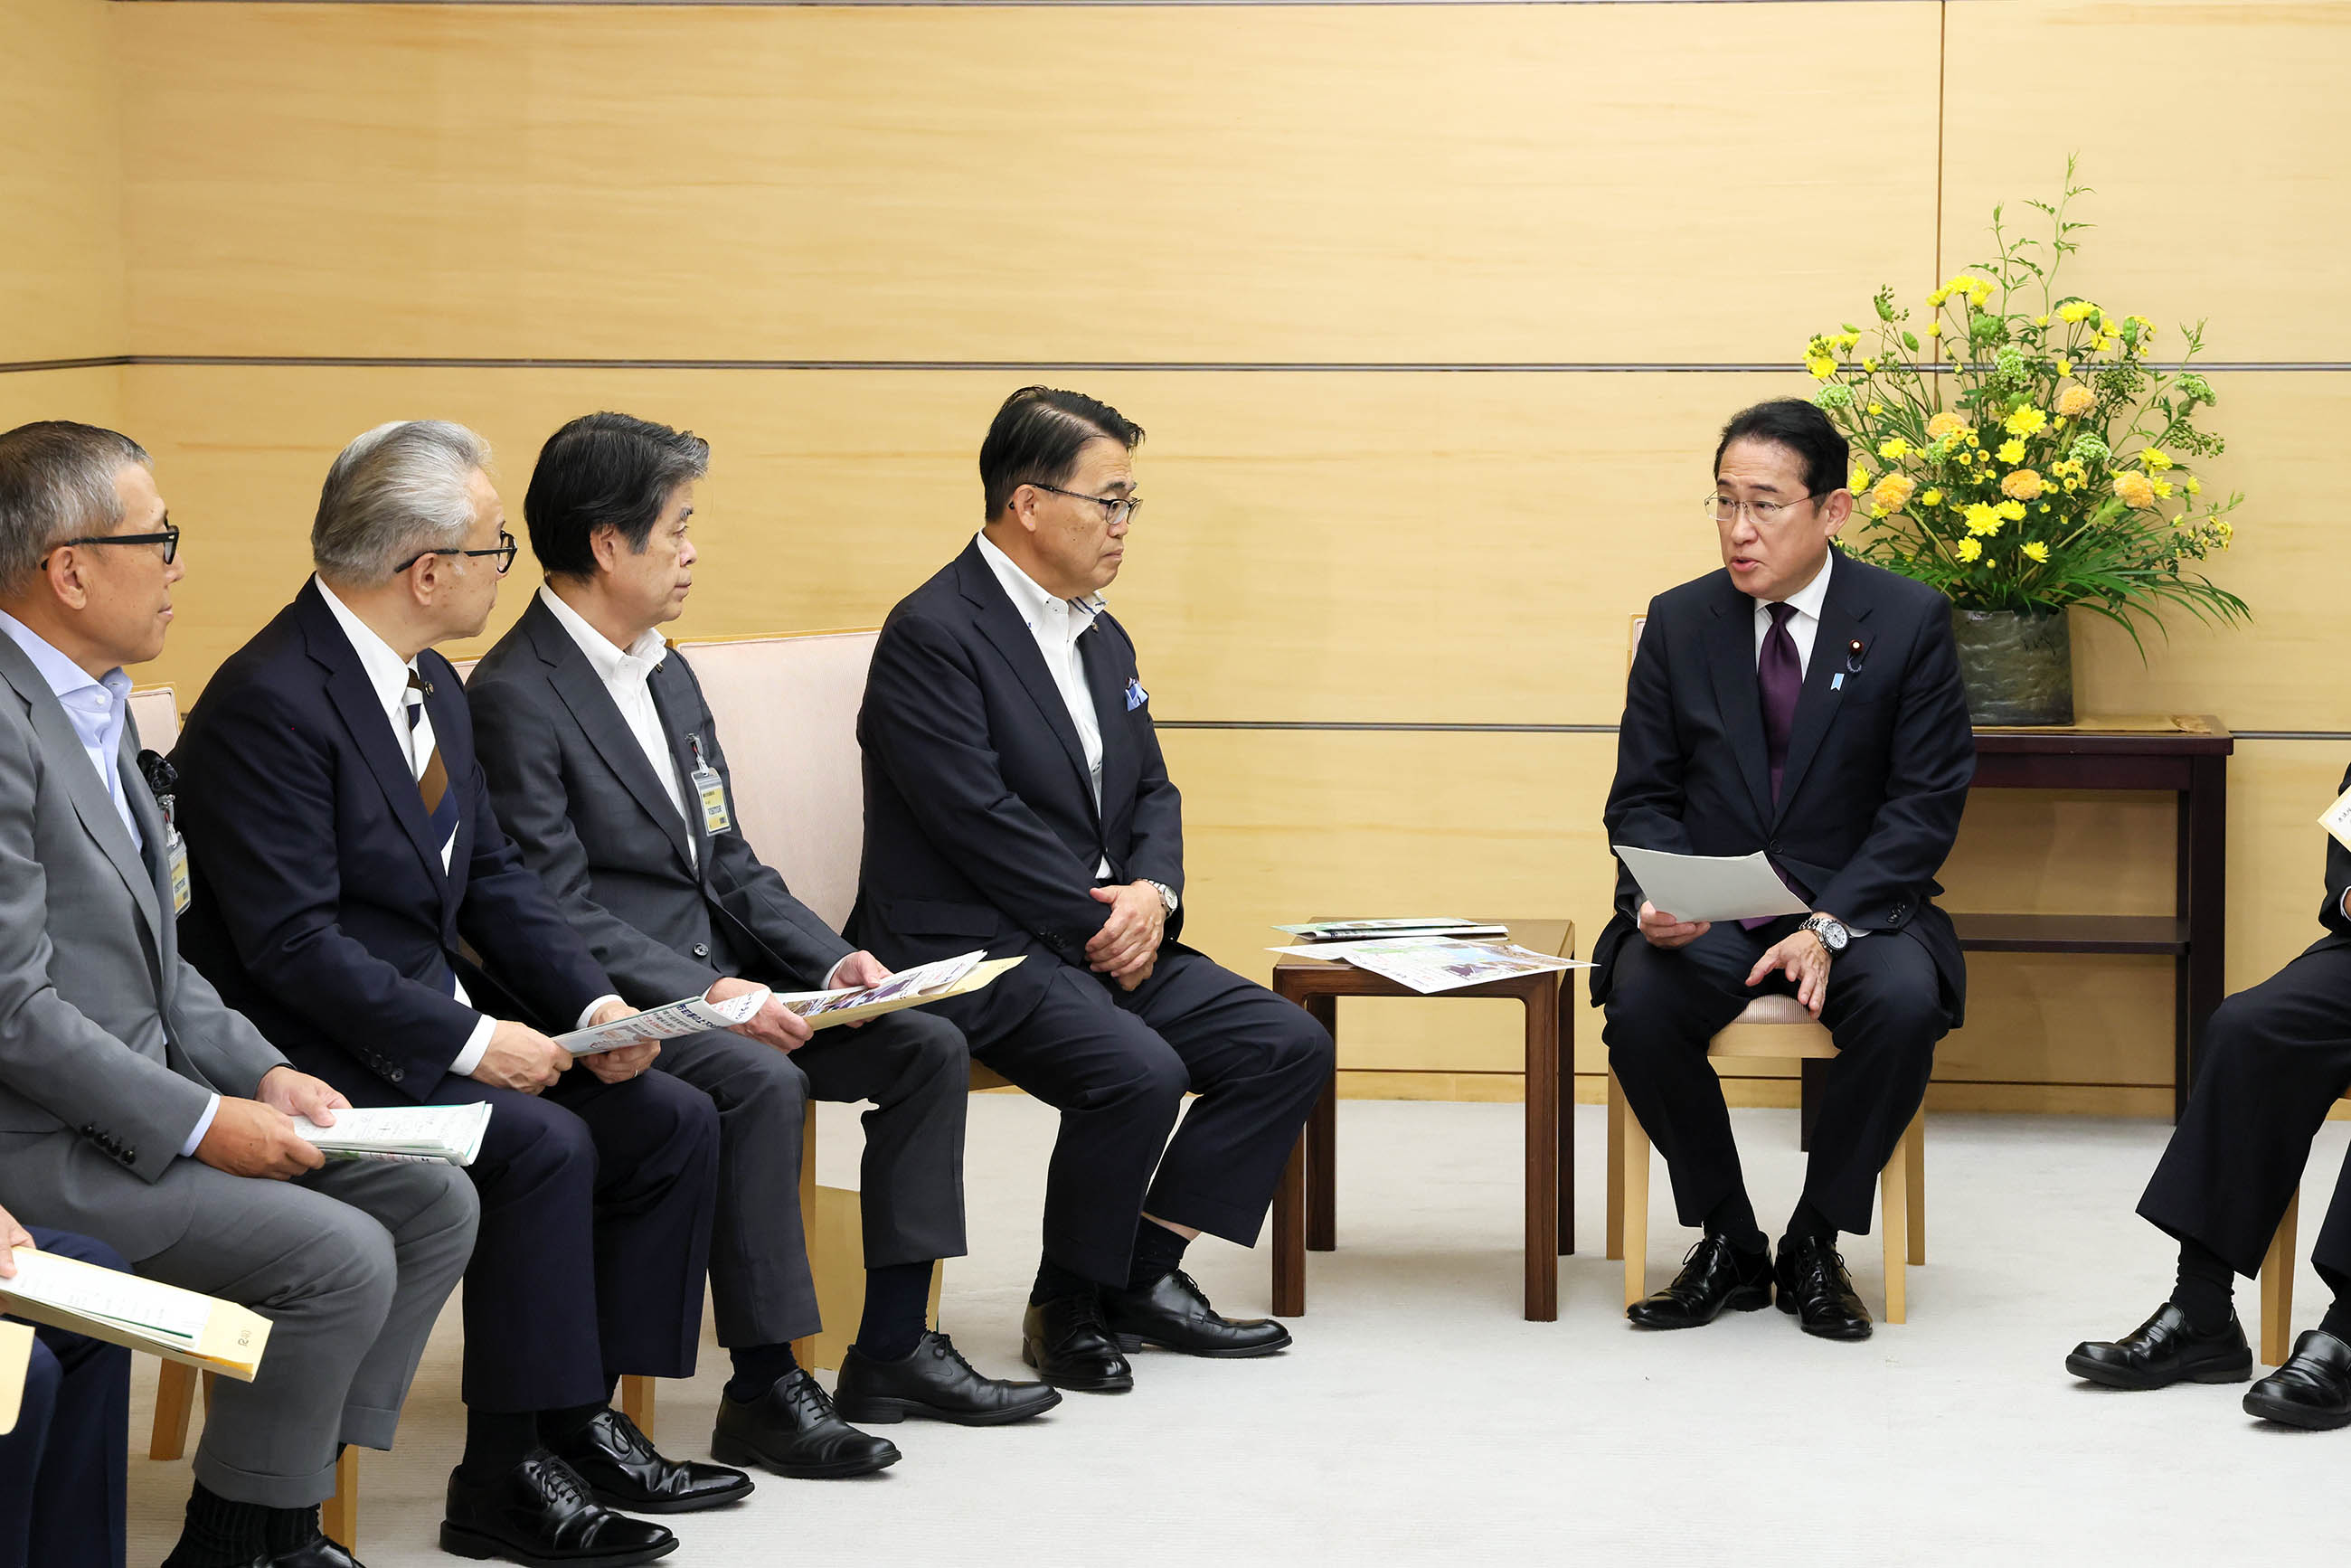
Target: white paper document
(2337,819)
(451,1135)
(1709,887)
(1433,964)
(690,1016)
(123,1309)
(1377,930)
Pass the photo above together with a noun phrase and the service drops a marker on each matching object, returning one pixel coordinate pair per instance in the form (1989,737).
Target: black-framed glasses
(1116,508)
(505,552)
(168,537)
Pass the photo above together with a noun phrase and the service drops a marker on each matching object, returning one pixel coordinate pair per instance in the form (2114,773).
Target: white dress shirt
(1804,625)
(1057,624)
(388,672)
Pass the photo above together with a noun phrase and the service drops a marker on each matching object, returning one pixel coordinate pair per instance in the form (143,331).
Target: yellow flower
(2155,460)
(1875,409)
(2072,486)
(1892,493)
(2036,551)
(1821,365)
(1943,424)
(2075,402)
(2194,485)
(1931,499)
(1936,299)
(2013,511)
(1875,510)
(2023,484)
(1846,342)
(1969,549)
(1982,520)
(2224,531)
(2135,490)
(2012,452)
(2076,310)
(1971,439)
(1869,364)
(2025,421)
(1858,480)
(1894,449)
(1935,328)
(1979,295)
(2064,366)
(2162,489)
(2041,320)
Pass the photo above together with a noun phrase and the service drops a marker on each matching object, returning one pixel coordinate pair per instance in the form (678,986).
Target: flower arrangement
(2028,454)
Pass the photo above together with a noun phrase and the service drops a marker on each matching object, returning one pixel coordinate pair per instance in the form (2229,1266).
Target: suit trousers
(2275,1059)
(596,1202)
(913,1067)
(1885,1011)
(1117,1065)
(63,1469)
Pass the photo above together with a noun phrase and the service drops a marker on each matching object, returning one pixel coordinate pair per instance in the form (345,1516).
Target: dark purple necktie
(1780,679)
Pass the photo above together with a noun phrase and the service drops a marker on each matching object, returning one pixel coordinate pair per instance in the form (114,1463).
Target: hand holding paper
(1709,887)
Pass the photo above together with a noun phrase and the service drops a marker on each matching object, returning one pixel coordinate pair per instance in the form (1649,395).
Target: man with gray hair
(134,1106)
(353,892)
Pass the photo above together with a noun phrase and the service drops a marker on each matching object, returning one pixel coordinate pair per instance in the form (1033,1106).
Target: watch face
(1833,936)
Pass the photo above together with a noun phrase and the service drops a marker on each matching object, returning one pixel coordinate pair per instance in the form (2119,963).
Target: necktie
(433,782)
(1780,679)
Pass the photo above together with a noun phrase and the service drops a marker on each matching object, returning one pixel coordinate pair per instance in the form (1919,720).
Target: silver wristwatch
(1831,931)
(1167,895)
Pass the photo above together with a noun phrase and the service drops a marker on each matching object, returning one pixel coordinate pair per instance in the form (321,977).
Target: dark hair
(1793,422)
(57,480)
(1036,436)
(605,470)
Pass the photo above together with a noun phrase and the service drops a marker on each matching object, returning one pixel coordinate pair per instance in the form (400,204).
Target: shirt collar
(1029,598)
(386,671)
(639,659)
(65,678)
(1807,599)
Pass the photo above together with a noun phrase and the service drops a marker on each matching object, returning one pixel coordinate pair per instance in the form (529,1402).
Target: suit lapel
(582,691)
(1730,660)
(1002,625)
(1098,656)
(1843,613)
(370,728)
(670,705)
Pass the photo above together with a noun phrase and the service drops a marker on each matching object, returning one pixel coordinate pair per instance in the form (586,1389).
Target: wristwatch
(1167,895)
(1834,937)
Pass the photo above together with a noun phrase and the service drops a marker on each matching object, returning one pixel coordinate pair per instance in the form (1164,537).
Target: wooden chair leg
(1289,1234)
(1915,1163)
(175,1401)
(1635,1219)
(2277,1286)
(1615,1197)
(1894,1220)
(803,1348)
(340,1516)
(637,1401)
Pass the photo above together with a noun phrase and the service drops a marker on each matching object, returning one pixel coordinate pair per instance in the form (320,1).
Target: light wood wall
(938,199)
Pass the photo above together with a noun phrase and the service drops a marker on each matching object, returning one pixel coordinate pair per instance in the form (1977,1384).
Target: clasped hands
(1127,947)
(1801,955)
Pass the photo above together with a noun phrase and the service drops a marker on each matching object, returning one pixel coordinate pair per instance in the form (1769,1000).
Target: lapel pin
(1853,652)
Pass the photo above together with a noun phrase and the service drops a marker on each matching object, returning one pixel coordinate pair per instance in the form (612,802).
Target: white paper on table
(1709,887)
(2337,819)
(1432,964)
(690,1016)
(450,1134)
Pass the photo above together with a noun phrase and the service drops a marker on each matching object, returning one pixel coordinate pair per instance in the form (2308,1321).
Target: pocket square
(1135,695)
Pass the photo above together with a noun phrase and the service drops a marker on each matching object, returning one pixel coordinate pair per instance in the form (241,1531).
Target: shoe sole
(1123,1384)
(1846,1336)
(2299,1416)
(1746,1299)
(882,1412)
(620,1504)
(2107,1376)
(1132,1343)
(735,1451)
(459,1541)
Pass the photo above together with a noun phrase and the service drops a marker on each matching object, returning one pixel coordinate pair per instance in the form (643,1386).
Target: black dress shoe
(1715,1276)
(625,1471)
(1813,1287)
(1065,1341)
(2312,1390)
(2165,1350)
(320,1553)
(936,1382)
(793,1430)
(1173,1313)
(542,1515)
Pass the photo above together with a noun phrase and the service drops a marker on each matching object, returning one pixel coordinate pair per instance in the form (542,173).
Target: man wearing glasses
(354,894)
(1805,704)
(1016,800)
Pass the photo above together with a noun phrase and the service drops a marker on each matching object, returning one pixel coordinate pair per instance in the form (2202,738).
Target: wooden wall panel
(1138,184)
(61,282)
(93,396)
(2212,133)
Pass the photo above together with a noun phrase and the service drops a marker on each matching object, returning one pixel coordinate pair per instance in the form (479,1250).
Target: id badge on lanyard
(710,790)
(175,857)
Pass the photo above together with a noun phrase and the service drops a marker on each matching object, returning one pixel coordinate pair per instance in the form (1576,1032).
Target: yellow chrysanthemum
(2194,485)
(1982,520)
(1894,449)
(2155,460)
(2013,511)
(1935,328)
(2135,490)
(1980,295)
(2064,366)
(1931,499)
(1875,409)
(1870,364)
(2076,310)
(2162,489)
(2041,320)
(1893,493)
(1858,480)
(2036,551)
(2075,402)
(2010,452)
(1943,424)
(1821,365)
(1969,550)
(1935,300)
(2025,421)
(2024,485)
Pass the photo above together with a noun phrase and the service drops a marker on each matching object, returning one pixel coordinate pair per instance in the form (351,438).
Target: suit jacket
(110,1044)
(574,788)
(980,823)
(1878,763)
(320,908)
(2339,881)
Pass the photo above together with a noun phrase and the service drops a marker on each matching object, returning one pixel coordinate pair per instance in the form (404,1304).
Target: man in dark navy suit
(355,895)
(1016,800)
(1807,705)
(62,1467)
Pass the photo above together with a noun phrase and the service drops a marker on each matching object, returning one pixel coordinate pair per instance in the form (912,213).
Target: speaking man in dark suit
(354,894)
(1805,705)
(1016,800)
(2274,1060)
(63,1467)
(135,1109)
(605,766)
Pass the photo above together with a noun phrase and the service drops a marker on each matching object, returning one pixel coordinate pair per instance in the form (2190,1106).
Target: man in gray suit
(605,767)
(136,1108)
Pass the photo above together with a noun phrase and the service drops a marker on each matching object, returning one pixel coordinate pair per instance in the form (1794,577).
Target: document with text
(931,982)
(2337,819)
(1709,887)
(690,1015)
(449,1134)
(123,1309)
(1431,964)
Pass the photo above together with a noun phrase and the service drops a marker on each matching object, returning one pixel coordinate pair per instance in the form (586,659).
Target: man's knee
(936,1045)
(2243,1031)
(1301,1046)
(350,1263)
(544,1141)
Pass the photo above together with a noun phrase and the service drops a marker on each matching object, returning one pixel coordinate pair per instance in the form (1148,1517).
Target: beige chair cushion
(787,714)
(1776,1009)
(156,711)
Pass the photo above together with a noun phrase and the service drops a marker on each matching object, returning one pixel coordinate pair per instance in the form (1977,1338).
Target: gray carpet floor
(1420,1420)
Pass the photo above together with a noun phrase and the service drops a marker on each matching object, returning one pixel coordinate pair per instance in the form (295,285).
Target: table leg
(1543,1151)
(2204,902)
(1323,1145)
(1290,1235)
(1566,1015)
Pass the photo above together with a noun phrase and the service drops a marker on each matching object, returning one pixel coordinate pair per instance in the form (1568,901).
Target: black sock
(2337,1321)
(897,1311)
(1733,1219)
(1053,1282)
(1158,1252)
(291,1529)
(2206,1288)
(1809,1224)
(758,1368)
(220,1533)
(496,1442)
(559,1426)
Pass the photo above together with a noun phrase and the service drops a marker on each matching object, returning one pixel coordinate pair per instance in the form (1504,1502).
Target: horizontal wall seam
(1408,727)
(998,367)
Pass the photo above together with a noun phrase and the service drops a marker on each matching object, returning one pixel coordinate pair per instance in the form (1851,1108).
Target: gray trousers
(351,1264)
(914,1068)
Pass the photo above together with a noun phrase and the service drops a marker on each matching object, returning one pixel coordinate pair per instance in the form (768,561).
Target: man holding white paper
(1806,706)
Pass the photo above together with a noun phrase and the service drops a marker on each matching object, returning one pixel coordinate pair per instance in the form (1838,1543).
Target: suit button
(398,1073)
(702,949)
(131,1157)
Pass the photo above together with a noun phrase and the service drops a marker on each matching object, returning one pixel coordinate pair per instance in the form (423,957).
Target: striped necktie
(432,784)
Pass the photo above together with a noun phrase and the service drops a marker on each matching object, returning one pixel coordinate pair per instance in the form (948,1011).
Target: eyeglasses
(505,552)
(1117,509)
(169,537)
(1762,514)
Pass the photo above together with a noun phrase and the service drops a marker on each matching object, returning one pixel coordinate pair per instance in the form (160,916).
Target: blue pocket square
(1135,695)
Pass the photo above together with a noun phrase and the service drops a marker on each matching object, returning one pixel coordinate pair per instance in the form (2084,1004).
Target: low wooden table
(1305,1207)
